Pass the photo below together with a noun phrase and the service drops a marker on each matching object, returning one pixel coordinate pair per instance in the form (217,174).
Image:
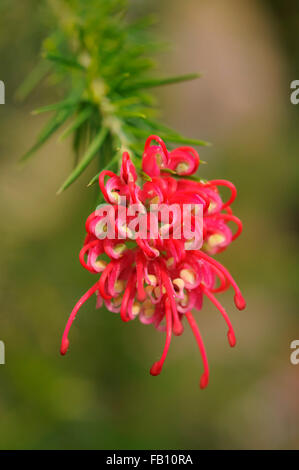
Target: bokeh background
(101,394)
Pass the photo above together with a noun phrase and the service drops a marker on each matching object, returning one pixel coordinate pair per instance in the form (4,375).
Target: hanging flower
(160,280)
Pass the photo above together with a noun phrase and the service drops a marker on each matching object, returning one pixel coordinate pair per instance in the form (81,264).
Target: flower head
(160,279)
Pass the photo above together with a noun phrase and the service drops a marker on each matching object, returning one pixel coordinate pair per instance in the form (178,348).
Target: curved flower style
(161,280)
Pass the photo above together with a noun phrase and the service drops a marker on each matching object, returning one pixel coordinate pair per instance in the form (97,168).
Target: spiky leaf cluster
(104,63)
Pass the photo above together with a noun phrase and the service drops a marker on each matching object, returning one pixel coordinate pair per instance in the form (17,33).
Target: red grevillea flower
(160,280)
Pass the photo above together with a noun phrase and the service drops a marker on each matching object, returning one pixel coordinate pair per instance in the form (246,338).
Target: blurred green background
(101,394)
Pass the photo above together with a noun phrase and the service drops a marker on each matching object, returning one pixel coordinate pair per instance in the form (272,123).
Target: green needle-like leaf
(109,165)
(161,127)
(80,119)
(86,159)
(131,114)
(61,60)
(48,130)
(55,106)
(151,83)
(185,140)
(176,138)
(30,82)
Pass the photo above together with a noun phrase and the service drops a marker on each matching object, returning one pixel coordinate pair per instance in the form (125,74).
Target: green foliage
(103,62)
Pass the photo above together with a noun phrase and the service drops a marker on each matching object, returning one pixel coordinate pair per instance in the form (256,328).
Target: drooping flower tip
(231,338)
(156,368)
(178,329)
(64,346)
(240,302)
(204,380)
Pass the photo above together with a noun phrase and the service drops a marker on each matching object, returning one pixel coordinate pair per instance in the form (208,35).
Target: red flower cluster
(161,280)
